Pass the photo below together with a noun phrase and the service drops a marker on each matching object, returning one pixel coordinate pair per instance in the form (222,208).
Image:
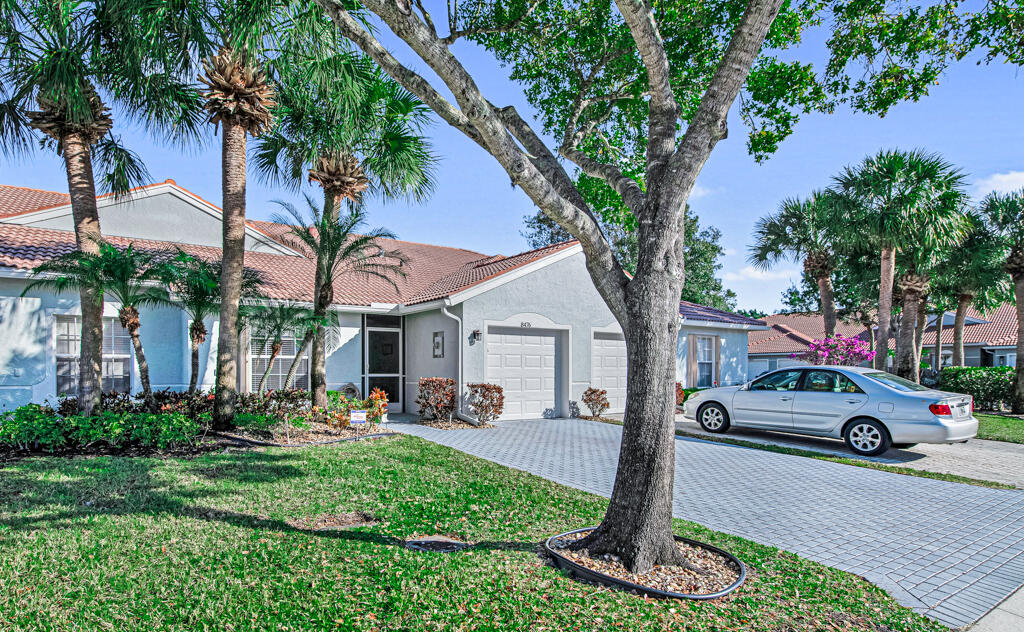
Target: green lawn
(999,428)
(204,544)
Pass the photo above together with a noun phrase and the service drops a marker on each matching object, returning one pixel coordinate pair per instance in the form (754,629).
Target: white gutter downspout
(458,389)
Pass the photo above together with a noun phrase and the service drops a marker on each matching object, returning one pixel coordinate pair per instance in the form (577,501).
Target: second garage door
(608,368)
(523,364)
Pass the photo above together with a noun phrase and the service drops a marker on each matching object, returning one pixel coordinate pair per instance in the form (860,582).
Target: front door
(384,364)
(825,400)
(768,401)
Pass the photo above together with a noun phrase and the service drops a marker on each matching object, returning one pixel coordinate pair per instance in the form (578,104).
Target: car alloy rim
(712,418)
(865,437)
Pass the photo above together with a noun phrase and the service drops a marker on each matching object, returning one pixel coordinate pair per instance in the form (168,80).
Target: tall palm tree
(1005,213)
(62,63)
(898,200)
(337,249)
(972,274)
(194,286)
(269,324)
(802,229)
(129,276)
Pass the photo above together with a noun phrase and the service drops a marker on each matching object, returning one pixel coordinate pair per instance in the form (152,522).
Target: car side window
(829,382)
(781,381)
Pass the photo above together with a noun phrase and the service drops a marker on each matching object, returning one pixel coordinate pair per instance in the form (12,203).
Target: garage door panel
(608,368)
(523,364)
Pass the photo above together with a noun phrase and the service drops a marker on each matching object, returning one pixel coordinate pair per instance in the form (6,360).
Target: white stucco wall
(733,354)
(345,364)
(419,351)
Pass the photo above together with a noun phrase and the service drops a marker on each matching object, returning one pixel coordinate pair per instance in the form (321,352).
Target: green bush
(990,386)
(35,427)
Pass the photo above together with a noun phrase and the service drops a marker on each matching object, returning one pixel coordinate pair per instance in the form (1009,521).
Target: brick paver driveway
(948,550)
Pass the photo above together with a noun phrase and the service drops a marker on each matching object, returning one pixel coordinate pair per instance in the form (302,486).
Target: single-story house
(990,339)
(531,322)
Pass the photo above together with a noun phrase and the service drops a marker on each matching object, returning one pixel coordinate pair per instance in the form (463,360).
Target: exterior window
(773,364)
(117,355)
(259,356)
(829,382)
(705,347)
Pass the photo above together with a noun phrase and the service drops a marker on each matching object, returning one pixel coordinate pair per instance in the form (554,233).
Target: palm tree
(1005,213)
(972,274)
(62,63)
(802,229)
(194,286)
(337,250)
(898,200)
(269,325)
(129,276)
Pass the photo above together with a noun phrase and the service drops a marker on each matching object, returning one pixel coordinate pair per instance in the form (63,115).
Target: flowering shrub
(338,413)
(486,400)
(436,398)
(680,394)
(596,400)
(837,350)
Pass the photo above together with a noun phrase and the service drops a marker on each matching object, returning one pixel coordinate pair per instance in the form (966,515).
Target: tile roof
(17,200)
(1000,328)
(693,311)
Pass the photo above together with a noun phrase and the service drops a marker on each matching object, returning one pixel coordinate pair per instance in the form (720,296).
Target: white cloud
(750,273)
(699,192)
(728,252)
(1001,182)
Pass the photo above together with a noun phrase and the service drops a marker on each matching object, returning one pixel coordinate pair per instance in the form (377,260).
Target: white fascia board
(711,324)
(512,275)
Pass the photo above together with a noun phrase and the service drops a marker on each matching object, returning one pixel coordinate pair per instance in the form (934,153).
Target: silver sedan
(870,409)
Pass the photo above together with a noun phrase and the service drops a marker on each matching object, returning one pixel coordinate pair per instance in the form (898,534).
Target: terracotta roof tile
(17,200)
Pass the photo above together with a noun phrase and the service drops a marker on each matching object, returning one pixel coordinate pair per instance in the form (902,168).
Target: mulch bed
(313,434)
(718,572)
(454,424)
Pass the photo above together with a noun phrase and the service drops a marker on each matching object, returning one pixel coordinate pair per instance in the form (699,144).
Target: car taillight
(941,410)
(972,405)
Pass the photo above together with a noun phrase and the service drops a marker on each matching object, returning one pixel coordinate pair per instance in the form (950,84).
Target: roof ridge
(16,186)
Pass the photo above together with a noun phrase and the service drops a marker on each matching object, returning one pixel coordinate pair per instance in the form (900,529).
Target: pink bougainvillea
(837,350)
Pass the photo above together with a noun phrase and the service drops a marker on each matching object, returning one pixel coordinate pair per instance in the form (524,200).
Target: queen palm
(1005,214)
(898,200)
(337,249)
(130,277)
(802,229)
(194,286)
(269,324)
(63,62)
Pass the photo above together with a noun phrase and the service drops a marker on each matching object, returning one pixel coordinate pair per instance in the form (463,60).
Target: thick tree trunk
(140,358)
(82,189)
(233,185)
(269,366)
(294,368)
(906,367)
(888,275)
(1017,404)
(828,304)
(963,303)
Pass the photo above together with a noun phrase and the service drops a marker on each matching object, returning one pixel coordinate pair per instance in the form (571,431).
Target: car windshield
(896,382)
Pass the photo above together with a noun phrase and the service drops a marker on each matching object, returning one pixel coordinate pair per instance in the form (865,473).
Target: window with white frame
(260,351)
(705,347)
(117,355)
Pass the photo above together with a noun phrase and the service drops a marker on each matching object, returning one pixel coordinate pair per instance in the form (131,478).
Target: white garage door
(523,364)
(608,369)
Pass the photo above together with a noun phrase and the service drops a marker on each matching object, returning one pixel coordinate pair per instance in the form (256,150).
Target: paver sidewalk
(947,550)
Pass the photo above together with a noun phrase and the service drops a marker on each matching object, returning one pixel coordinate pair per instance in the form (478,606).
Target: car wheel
(713,418)
(867,437)
(903,446)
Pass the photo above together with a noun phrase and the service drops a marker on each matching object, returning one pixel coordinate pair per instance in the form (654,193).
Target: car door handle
(785,399)
(853,401)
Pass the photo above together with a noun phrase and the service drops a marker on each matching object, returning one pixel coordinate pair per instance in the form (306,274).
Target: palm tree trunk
(140,358)
(194,378)
(905,365)
(82,189)
(939,326)
(1017,403)
(963,302)
(275,351)
(828,304)
(887,276)
(233,253)
(922,323)
(294,368)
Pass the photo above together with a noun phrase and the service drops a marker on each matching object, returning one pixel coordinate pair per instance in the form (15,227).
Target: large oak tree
(612,81)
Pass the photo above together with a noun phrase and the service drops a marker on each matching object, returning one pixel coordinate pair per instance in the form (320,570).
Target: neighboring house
(989,339)
(531,322)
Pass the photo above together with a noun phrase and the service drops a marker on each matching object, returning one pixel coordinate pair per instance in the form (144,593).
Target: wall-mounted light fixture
(477,335)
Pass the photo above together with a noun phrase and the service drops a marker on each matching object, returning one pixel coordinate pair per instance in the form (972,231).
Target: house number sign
(525,324)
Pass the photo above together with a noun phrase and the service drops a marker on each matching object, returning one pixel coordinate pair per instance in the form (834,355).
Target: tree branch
(492,30)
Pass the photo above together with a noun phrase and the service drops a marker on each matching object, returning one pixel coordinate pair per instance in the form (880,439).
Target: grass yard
(205,544)
(1000,428)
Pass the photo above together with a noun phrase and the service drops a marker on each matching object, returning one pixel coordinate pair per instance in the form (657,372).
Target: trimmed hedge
(990,386)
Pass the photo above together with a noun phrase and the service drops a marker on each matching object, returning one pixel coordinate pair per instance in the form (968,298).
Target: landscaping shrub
(339,408)
(681,394)
(36,427)
(486,400)
(436,397)
(32,427)
(990,386)
(596,400)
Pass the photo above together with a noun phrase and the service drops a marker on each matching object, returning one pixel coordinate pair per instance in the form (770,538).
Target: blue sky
(973,118)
